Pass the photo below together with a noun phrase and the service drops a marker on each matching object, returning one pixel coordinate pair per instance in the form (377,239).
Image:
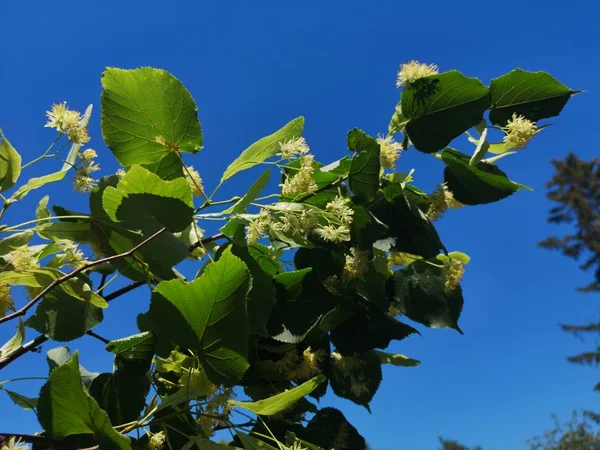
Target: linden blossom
(519,131)
(389,151)
(414,70)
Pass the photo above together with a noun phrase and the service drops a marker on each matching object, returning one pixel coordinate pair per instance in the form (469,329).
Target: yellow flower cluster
(14,444)
(357,263)
(193,178)
(301,183)
(454,270)
(82,181)
(23,259)
(414,70)
(71,255)
(441,200)
(389,151)
(293,147)
(6,301)
(157,441)
(518,132)
(301,367)
(67,121)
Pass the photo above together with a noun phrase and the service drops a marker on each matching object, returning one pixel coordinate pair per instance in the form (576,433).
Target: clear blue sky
(252,66)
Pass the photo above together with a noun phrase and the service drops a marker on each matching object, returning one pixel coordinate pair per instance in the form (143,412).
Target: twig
(36,439)
(97,336)
(28,347)
(102,282)
(75,272)
(206,240)
(39,340)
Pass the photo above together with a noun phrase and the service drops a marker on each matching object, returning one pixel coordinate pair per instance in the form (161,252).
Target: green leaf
(147,113)
(40,278)
(265,148)
(24,402)
(14,241)
(262,292)
(41,210)
(121,394)
(280,402)
(74,151)
(476,184)
(328,428)
(409,227)
(15,342)
(194,384)
(423,297)
(441,108)
(396,359)
(365,166)
(58,356)
(534,95)
(254,191)
(208,316)
(10,164)
(74,231)
(367,330)
(65,409)
(398,121)
(251,443)
(266,258)
(36,183)
(63,318)
(140,192)
(168,168)
(356,378)
(292,280)
(135,352)
(157,256)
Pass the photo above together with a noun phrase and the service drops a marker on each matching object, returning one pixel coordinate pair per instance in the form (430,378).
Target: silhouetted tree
(575,187)
(454,445)
(576,434)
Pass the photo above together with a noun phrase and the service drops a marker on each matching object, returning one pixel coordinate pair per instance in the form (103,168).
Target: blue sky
(252,66)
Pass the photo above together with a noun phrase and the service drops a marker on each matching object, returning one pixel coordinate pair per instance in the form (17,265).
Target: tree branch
(74,273)
(36,439)
(39,340)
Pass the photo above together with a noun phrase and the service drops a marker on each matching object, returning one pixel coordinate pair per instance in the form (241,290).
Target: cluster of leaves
(365,252)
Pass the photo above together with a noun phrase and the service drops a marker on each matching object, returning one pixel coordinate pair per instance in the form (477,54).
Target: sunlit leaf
(280,402)
(265,148)
(65,409)
(208,316)
(146,114)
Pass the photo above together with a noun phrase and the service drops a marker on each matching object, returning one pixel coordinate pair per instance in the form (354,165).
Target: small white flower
(6,301)
(390,151)
(14,444)
(301,183)
(23,259)
(414,70)
(518,132)
(195,182)
(357,264)
(293,147)
(339,208)
(334,234)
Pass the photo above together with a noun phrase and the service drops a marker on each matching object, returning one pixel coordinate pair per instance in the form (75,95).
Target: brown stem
(75,272)
(206,240)
(97,336)
(39,340)
(36,439)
